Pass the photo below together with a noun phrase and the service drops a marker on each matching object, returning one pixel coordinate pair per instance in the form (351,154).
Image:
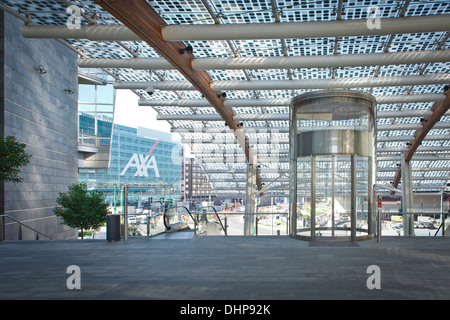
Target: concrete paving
(221,268)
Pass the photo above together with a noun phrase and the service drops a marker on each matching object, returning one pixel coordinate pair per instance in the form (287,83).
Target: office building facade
(145,160)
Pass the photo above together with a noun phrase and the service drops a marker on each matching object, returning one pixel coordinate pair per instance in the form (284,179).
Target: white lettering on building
(142,164)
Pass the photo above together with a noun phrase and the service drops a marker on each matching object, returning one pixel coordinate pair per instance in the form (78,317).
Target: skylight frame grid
(354,72)
(362,44)
(242,11)
(398,70)
(381,91)
(355,10)
(437,68)
(309,73)
(415,41)
(269,74)
(407,120)
(240,94)
(258,48)
(420,8)
(310,46)
(182,11)
(417,106)
(387,107)
(209,48)
(275,94)
(228,74)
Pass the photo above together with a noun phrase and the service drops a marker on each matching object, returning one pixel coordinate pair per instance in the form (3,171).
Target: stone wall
(38,110)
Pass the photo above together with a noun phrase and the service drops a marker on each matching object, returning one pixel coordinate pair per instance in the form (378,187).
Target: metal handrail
(38,232)
(82,138)
(442,225)
(220,221)
(174,207)
(195,221)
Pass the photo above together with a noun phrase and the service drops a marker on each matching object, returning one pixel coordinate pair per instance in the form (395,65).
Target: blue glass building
(146,160)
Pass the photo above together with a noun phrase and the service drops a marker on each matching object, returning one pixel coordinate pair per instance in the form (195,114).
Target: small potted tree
(12,158)
(80,208)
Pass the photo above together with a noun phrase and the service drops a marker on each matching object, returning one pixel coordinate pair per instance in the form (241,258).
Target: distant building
(196,184)
(146,160)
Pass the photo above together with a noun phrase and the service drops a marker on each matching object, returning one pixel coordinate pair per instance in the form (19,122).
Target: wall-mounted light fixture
(69,91)
(150,90)
(41,69)
(187,49)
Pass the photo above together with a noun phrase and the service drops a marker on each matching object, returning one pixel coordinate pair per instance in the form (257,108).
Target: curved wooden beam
(438,110)
(139,17)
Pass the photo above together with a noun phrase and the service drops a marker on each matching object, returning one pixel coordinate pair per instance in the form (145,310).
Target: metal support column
(333,164)
(353,199)
(250,197)
(371,198)
(1,229)
(407,198)
(125,213)
(379,211)
(292,173)
(442,214)
(313,198)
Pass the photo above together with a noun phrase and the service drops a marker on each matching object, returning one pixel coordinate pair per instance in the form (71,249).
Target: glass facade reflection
(96,102)
(148,161)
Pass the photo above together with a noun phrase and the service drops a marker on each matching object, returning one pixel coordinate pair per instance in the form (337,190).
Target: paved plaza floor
(221,268)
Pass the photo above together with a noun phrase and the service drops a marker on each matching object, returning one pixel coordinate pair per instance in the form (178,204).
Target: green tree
(80,208)
(12,158)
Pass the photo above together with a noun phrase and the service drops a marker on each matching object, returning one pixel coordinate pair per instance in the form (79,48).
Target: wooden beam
(139,17)
(438,110)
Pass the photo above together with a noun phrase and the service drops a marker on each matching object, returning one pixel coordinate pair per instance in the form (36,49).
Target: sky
(128,113)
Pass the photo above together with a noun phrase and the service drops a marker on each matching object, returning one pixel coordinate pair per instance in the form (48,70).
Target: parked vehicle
(396,218)
(422,225)
(426,219)
(132,219)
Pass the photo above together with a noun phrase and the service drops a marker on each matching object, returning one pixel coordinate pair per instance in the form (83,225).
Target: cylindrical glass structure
(332,165)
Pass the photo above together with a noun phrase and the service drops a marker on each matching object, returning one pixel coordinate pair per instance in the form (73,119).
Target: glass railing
(429,224)
(266,224)
(93,140)
(178,218)
(210,222)
(145,224)
(207,222)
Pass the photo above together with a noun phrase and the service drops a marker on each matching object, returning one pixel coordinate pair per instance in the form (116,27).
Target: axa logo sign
(142,163)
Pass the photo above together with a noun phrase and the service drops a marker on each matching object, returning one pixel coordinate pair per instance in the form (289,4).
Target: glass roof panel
(186,12)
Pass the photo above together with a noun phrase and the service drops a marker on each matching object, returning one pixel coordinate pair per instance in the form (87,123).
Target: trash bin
(113,227)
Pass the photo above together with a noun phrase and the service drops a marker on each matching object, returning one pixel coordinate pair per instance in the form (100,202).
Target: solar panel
(286,11)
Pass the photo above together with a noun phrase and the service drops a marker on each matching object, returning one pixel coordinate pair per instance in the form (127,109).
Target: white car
(132,219)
